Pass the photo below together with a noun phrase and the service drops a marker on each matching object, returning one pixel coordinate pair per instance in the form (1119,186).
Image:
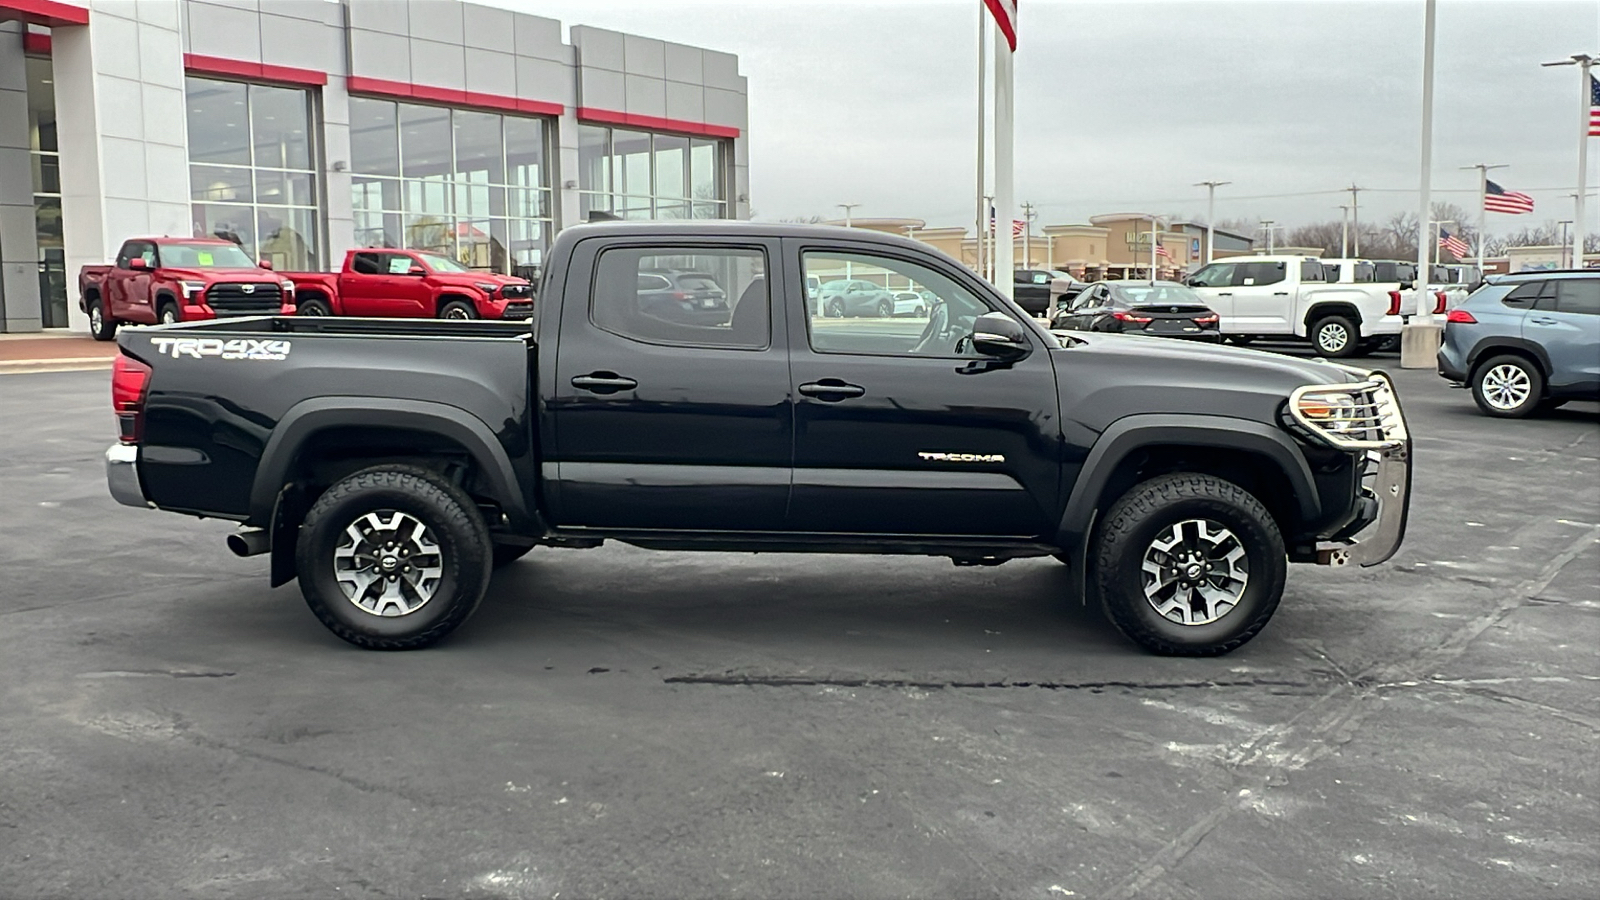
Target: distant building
(1227,242)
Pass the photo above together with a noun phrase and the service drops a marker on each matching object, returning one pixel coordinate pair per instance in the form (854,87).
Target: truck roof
(170,239)
(737,228)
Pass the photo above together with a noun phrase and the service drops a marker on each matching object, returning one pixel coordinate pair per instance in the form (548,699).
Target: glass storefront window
(474,184)
(46,193)
(252,177)
(630,174)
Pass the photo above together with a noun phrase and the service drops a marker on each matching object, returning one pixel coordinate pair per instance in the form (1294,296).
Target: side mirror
(1407,285)
(999,335)
(416,270)
(137,262)
(264,264)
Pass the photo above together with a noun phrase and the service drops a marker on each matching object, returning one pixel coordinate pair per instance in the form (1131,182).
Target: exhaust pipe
(249,542)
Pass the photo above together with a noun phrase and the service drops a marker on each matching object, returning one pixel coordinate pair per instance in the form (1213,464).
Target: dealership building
(304,128)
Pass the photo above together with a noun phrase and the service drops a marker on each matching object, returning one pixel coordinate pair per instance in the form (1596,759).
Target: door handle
(1228,294)
(604,382)
(1542,320)
(831,390)
(1280,293)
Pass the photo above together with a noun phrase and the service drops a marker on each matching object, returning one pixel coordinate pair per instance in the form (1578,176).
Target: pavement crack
(154,673)
(737,680)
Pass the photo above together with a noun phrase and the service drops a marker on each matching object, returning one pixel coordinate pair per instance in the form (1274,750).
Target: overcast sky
(1122,106)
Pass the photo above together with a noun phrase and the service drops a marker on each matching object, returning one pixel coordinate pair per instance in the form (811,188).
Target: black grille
(516,291)
(517,311)
(244,299)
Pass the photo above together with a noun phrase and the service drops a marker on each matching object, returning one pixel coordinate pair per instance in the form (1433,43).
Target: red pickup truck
(410,284)
(167,279)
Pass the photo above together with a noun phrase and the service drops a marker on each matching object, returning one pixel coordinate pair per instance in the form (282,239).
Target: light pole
(989,237)
(1269,226)
(1483,214)
(847,207)
(1355,217)
(1565,247)
(1437,236)
(1344,234)
(1583,61)
(1211,213)
(1027,232)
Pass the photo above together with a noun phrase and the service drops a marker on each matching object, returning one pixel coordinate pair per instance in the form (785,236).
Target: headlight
(287,285)
(1329,411)
(486,288)
(192,288)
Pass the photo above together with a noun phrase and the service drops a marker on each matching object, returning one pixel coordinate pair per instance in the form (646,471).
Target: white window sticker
(399,265)
(1249,281)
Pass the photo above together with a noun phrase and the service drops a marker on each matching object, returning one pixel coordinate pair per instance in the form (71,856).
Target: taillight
(679,295)
(1394,303)
(1461,317)
(1207,320)
(1130,317)
(130,384)
(1439,302)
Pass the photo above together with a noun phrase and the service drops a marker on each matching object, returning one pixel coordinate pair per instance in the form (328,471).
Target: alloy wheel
(1506,386)
(1195,571)
(96,318)
(388,563)
(1332,337)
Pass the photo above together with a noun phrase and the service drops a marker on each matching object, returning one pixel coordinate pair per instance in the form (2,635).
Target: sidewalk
(53,351)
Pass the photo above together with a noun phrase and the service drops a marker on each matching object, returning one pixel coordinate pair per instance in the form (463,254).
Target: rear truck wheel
(458,309)
(312,307)
(1507,387)
(1336,336)
(167,314)
(101,326)
(506,554)
(393,558)
(885,309)
(1189,565)
(836,309)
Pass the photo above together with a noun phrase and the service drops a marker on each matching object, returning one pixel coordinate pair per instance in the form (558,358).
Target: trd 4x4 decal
(237,348)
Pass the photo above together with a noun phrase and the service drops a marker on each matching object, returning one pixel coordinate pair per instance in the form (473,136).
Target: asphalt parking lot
(625,723)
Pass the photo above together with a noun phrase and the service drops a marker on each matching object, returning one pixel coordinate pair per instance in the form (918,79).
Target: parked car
(1031,289)
(410,284)
(1156,309)
(166,280)
(1526,342)
(910,303)
(680,295)
(1289,297)
(854,297)
(390,472)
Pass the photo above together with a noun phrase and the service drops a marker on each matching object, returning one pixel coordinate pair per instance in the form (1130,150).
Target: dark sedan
(682,296)
(1156,308)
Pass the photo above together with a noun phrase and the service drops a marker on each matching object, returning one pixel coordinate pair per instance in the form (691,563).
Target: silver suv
(1526,342)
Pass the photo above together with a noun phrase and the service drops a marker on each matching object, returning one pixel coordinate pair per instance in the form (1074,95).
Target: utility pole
(1269,226)
(1355,217)
(1419,338)
(1483,214)
(1211,213)
(1344,234)
(1027,233)
(1579,224)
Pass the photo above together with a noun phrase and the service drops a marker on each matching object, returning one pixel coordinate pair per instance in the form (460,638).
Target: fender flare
(1133,433)
(308,417)
(1489,344)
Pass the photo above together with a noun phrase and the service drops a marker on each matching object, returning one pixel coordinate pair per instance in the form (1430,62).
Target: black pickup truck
(390,465)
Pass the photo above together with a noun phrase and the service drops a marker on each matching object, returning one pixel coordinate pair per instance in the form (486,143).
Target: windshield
(1156,294)
(442,263)
(205,256)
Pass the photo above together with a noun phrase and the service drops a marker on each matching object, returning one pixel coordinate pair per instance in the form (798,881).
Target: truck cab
(165,280)
(416,284)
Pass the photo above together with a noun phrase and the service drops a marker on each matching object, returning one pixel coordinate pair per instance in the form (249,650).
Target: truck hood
(258,276)
(1103,377)
(478,278)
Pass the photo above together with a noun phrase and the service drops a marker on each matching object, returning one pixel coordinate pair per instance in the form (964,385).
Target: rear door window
(1258,274)
(1578,295)
(626,299)
(1524,295)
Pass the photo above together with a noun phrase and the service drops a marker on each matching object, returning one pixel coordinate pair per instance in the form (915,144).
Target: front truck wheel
(1189,565)
(393,558)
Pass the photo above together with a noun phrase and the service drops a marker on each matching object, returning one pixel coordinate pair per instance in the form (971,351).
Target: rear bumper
(1452,364)
(1387,325)
(122,475)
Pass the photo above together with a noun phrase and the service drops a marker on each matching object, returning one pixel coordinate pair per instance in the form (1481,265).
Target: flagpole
(1419,338)
(1003,138)
(1483,207)
(1579,224)
(983,51)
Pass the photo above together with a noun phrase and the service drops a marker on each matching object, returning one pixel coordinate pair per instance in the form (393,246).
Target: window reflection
(628,174)
(474,184)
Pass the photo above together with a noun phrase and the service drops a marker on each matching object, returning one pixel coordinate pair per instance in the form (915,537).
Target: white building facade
(305,128)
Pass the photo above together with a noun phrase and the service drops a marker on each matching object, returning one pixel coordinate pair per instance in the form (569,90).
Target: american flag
(1498,199)
(1163,253)
(1005,17)
(1456,246)
(1594,106)
(1017,225)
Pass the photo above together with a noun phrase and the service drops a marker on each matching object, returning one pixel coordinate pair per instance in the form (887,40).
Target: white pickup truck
(1289,297)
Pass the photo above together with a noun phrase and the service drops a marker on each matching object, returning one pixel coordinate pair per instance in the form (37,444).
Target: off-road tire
(105,328)
(312,307)
(506,554)
(1133,524)
(1534,385)
(458,309)
(447,512)
(1352,337)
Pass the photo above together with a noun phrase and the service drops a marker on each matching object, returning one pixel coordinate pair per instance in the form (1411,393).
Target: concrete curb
(69,364)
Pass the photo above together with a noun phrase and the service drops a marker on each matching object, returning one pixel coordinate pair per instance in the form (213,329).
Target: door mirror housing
(999,335)
(137,262)
(416,270)
(264,264)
